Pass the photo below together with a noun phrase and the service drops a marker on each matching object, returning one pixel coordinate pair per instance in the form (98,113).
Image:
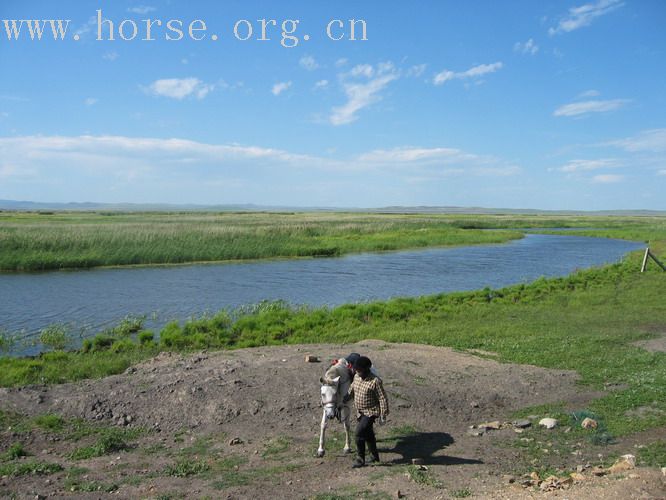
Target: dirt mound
(259,409)
(261,389)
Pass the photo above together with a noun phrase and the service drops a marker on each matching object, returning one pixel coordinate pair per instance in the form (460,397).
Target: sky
(556,105)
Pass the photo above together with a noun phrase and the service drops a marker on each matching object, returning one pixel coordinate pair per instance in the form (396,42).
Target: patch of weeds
(110,441)
(598,436)
(170,496)
(154,449)
(186,468)
(419,380)
(50,422)
(178,437)
(276,445)
(462,493)
(90,486)
(15,451)
(653,455)
(422,476)
(74,472)
(201,446)
(29,468)
(55,337)
(353,494)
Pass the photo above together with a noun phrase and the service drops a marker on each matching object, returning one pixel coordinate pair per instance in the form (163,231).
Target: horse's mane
(339,369)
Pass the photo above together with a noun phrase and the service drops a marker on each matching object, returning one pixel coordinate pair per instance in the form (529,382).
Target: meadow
(587,322)
(44,241)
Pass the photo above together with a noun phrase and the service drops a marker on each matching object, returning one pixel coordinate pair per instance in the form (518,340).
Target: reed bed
(33,242)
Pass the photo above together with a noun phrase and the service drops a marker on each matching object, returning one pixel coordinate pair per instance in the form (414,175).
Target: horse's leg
(345,423)
(322,435)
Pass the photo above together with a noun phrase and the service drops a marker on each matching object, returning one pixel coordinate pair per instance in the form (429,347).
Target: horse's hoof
(320,453)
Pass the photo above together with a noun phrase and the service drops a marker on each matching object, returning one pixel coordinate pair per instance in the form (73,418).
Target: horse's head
(329,396)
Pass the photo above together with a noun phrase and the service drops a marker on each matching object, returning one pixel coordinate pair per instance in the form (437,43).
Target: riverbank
(62,240)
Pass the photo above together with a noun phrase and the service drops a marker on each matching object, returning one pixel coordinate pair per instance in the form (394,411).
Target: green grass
(276,446)
(187,468)
(654,454)
(109,440)
(29,468)
(31,242)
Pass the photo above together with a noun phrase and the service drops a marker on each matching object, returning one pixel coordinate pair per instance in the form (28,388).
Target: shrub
(55,337)
(123,345)
(16,451)
(146,337)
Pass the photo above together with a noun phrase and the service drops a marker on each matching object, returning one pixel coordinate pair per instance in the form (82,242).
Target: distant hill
(32,206)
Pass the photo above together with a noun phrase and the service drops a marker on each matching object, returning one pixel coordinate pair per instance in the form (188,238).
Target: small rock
(309,358)
(523,423)
(417,461)
(589,423)
(509,478)
(548,423)
(624,463)
(577,476)
(634,476)
(663,471)
(475,432)
(235,441)
(580,468)
(474,404)
(490,425)
(519,431)
(398,494)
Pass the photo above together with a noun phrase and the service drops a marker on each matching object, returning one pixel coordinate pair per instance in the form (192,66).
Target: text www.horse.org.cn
(259,30)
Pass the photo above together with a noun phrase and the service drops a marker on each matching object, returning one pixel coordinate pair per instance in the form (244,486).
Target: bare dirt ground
(244,424)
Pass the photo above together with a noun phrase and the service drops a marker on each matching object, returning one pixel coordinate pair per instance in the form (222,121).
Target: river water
(93,299)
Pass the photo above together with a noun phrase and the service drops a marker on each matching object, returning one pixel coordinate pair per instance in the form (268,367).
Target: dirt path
(266,402)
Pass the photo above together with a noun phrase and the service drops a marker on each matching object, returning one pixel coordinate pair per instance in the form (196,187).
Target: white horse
(335,385)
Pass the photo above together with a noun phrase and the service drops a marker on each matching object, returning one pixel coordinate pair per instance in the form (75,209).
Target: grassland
(34,241)
(588,322)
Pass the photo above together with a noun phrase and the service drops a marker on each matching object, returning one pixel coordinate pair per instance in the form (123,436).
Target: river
(89,300)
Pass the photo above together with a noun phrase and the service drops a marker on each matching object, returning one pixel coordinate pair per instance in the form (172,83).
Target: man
(371,403)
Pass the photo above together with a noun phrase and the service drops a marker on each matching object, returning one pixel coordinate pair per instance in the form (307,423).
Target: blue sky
(516,104)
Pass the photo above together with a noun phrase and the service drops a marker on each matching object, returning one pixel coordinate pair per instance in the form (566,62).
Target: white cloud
(89,101)
(579,17)
(361,94)
(341,62)
(308,63)
(86,28)
(365,70)
(586,107)
(607,179)
(653,141)
(587,165)
(529,47)
(179,88)
(321,84)
(589,93)
(280,87)
(474,72)
(433,163)
(661,172)
(141,9)
(416,70)
(110,56)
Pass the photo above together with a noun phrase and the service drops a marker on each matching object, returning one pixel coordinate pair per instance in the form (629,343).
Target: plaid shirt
(369,396)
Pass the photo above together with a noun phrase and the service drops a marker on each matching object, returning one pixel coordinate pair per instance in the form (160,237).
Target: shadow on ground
(423,445)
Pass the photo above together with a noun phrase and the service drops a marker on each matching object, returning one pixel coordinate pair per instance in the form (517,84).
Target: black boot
(374,454)
(360,451)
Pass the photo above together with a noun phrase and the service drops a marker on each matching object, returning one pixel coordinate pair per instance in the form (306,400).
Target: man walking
(371,403)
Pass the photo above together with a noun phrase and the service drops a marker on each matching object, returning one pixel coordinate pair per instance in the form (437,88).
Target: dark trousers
(365,434)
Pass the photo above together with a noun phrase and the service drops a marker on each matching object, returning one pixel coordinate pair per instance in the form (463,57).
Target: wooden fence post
(653,257)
